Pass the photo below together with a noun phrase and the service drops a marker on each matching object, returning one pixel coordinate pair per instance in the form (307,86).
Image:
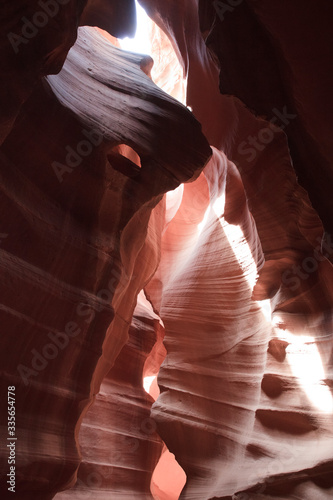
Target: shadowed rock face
(273,56)
(36,36)
(78,247)
(119,444)
(229,269)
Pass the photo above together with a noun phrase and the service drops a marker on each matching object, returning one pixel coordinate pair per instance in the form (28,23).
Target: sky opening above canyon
(141,43)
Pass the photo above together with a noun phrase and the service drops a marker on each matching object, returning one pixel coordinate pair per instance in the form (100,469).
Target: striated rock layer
(279,430)
(118,440)
(235,265)
(78,249)
(238,407)
(36,36)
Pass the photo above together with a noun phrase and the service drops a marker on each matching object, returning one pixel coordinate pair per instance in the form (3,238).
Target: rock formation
(130,248)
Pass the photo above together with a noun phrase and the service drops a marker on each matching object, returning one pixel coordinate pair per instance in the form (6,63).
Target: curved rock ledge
(108,188)
(79,249)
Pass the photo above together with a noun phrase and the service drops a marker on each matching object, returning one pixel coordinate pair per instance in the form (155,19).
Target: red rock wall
(292,410)
(273,56)
(234,264)
(78,248)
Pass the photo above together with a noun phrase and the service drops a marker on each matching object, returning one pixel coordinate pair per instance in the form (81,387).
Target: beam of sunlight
(242,252)
(219,205)
(203,223)
(266,309)
(306,364)
(238,243)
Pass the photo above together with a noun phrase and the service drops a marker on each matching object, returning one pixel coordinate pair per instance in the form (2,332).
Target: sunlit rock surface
(293,412)
(245,401)
(222,288)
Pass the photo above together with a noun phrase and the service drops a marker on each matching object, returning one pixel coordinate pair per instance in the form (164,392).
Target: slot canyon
(166,242)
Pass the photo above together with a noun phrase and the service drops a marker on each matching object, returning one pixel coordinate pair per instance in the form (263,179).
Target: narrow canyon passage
(166,250)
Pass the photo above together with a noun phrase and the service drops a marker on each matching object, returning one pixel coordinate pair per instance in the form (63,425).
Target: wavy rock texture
(36,36)
(118,440)
(238,407)
(208,334)
(289,43)
(31,45)
(236,318)
(78,249)
(292,413)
